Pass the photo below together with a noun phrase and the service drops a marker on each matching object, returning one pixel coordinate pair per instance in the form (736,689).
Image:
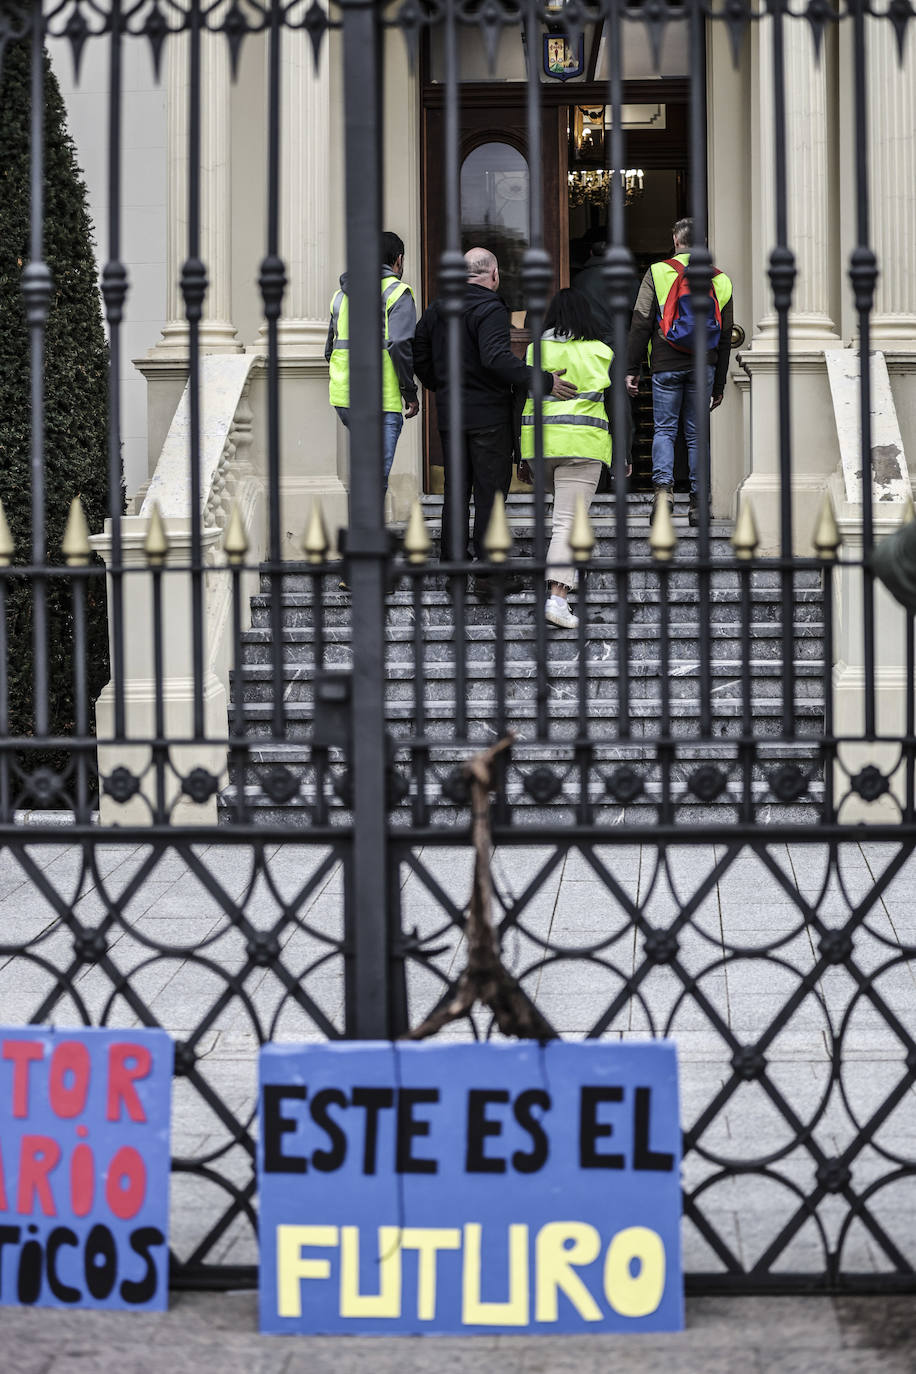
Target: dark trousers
(483,468)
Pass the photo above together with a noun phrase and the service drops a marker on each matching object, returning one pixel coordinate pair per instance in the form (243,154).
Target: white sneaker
(557,611)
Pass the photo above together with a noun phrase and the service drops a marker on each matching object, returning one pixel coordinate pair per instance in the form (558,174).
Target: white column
(892,187)
(217,334)
(808,189)
(305,177)
(813,237)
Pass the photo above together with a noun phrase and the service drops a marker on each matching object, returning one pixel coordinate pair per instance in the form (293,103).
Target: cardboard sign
(470,1188)
(84,1167)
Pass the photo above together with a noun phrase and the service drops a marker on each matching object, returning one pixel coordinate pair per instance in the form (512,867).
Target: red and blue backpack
(676,322)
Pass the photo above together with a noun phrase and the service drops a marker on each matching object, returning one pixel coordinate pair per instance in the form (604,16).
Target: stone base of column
(166,377)
(806,332)
(314,462)
(890,706)
(893,333)
(849,672)
(140,705)
(215,336)
(297,339)
(901,369)
(815,447)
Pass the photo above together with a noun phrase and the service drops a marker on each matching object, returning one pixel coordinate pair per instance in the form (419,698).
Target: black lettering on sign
(592,1130)
(9,1235)
(276,1126)
(374,1100)
(480,1128)
(100,1262)
(409,1128)
(141,1290)
(28,1288)
(644,1157)
(522,1108)
(63,1292)
(326,1161)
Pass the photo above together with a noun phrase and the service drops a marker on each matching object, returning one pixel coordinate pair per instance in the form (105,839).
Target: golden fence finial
(75,543)
(745,538)
(417,542)
(498,539)
(662,536)
(7,547)
(156,544)
(235,540)
(582,535)
(826,533)
(315,540)
(909,514)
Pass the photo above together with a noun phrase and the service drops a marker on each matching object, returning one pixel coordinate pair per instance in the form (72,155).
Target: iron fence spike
(235,541)
(745,538)
(417,542)
(7,546)
(498,539)
(156,544)
(315,540)
(827,538)
(662,534)
(75,543)
(582,534)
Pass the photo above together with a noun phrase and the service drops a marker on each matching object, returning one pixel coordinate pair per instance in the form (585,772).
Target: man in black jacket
(490,372)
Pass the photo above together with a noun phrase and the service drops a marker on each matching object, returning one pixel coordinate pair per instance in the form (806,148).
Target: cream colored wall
(402,214)
(143,206)
(729,189)
(248,106)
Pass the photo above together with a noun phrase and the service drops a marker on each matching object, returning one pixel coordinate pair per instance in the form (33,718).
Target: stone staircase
(542,779)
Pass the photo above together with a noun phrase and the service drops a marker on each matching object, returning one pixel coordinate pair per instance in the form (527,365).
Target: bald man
(490,374)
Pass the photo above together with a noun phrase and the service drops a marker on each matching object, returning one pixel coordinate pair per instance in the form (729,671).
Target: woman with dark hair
(576,433)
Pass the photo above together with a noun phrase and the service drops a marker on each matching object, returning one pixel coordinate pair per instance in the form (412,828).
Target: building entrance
(494,190)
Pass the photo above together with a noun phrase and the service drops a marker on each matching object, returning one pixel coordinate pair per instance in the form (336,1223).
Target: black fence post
(368,1010)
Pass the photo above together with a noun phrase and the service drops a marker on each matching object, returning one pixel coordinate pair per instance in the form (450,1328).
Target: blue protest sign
(469,1188)
(84,1167)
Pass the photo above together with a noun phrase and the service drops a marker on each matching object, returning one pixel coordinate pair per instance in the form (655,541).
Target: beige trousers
(568,477)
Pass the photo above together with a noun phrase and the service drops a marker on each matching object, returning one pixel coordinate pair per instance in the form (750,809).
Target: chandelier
(595,185)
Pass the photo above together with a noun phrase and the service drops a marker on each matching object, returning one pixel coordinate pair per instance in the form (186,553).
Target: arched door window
(494,211)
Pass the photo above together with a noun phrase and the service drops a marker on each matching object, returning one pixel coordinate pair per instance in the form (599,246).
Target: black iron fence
(359,775)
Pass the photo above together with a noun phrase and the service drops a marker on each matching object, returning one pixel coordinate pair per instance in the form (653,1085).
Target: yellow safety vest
(339,368)
(578,428)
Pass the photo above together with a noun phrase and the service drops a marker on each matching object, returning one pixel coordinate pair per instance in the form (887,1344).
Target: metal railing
(370,787)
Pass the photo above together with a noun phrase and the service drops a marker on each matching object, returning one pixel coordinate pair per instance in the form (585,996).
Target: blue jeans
(674,395)
(392,424)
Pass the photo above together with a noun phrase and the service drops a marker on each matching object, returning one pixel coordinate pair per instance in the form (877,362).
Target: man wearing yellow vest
(662,326)
(398,386)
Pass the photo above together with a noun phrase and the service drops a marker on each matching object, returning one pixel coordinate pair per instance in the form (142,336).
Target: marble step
(562,678)
(681,576)
(643,603)
(601,712)
(297,813)
(439,762)
(605,529)
(726,643)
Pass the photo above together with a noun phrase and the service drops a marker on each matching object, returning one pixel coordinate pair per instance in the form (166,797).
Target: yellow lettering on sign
(554,1263)
(635,1297)
(428,1241)
(292,1267)
(387,1301)
(513,1312)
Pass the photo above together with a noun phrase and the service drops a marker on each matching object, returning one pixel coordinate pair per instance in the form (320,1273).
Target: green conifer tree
(76,393)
